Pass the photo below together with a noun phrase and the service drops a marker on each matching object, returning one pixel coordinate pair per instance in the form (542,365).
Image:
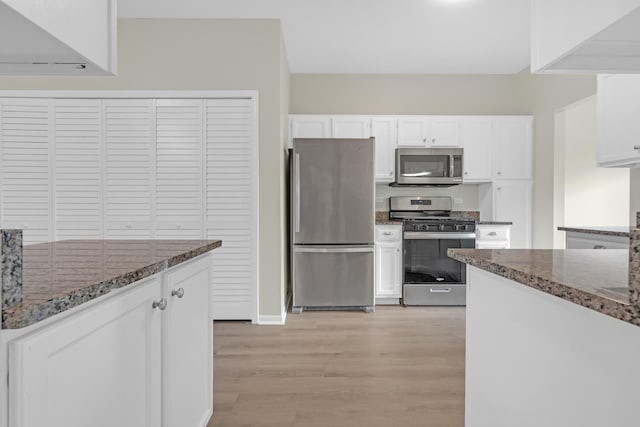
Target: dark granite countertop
(61,275)
(595,279)
(494,222)
(612,230)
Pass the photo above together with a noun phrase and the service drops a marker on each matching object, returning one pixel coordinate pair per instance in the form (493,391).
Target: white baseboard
(272,319)
(387,301)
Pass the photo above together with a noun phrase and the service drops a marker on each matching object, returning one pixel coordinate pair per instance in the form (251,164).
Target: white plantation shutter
(25,172)
(231,205)
(78,177)
(179,204)
(129,164)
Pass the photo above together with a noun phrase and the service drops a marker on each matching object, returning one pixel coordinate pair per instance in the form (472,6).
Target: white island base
(536,360)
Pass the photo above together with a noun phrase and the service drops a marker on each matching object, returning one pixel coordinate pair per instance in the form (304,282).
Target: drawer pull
(492,233)
(387,233)
(440,291)
(599,247)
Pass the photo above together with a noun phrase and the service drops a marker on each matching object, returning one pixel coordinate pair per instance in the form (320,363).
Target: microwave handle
(451,163)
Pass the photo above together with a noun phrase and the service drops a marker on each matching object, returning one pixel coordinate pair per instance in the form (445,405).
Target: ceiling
(377,36)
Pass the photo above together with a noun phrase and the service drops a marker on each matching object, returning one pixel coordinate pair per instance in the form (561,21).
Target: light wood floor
(395,367)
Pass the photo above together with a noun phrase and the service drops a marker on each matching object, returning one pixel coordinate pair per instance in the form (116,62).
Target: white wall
(634,198)
(523,93)
(592,195)
(174,54)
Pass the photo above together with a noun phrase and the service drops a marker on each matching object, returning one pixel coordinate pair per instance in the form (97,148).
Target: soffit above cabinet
(66,37)
(573,36)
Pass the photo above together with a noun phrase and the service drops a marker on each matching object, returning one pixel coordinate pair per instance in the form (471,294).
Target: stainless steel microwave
(428,166)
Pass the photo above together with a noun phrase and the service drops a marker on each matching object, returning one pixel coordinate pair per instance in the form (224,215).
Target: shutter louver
(179,169)
(78,181)
(129,168)
(231,205)
(25,178)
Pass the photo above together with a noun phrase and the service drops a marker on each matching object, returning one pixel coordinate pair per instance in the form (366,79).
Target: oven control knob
(441,227)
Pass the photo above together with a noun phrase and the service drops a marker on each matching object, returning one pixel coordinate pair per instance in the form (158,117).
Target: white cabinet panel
(188,365)
(77,128)
(231,205)
(513,148)
(25,168)
(351,127)
(309,126)
(413,131)
(513,201)
(388,247)
(445,132)
(179,135)
(477,137)
(129,166)
(618,120)
(383,130)
(100,367)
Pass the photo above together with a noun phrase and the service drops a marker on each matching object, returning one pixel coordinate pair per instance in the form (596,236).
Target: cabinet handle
(424,140)
(493,233)
(433,140)
(387,233)
(466,173)
(599,247)
(161,304)
(499,188)
(177,293)
(636,147)
(499,173)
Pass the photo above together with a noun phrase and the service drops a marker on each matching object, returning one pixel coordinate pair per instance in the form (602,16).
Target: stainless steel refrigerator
(332,223)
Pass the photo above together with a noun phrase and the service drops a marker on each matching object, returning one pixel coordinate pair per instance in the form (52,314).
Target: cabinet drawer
(415,294)
(493,233)
(388,233)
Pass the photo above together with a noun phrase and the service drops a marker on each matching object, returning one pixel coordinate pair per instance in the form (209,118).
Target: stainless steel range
(430,277)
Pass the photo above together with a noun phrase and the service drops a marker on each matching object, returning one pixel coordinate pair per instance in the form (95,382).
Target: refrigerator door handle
(297,205)
(335,250)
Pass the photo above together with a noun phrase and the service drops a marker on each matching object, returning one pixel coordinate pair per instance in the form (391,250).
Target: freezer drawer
(333,276)
(417,294)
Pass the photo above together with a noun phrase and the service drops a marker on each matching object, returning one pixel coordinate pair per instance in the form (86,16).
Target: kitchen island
(552,337)
(106,332)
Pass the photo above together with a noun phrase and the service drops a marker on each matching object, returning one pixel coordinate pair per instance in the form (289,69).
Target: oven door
(426,261)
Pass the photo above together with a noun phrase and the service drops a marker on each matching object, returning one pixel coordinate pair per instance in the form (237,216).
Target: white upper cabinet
(309,126)
(585,36)
(77,141)
(445,132)
(413,131)
(64,37)
(513,147)
(383,129)
(477,137)
(618,120)
(25,171)
(351,127)
(129,152)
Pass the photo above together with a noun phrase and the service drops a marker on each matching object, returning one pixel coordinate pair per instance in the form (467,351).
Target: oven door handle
(419,235)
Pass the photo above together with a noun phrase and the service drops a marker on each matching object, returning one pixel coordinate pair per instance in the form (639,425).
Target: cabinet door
(388,269)
(618,120)
(309,126)
(413,131)
(188,365)
(445,132)
(129,166)
(77,139)
(513,203)
(351,127)
(513,148)
(100,367)
(477,134)
(179,203)
(383,130)
(25,171)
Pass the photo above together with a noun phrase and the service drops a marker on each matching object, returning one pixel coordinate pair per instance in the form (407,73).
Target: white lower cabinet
(140,358)
(509,201)
(388,264)
(493,236)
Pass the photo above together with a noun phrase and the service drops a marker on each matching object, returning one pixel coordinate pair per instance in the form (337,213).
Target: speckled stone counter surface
(494,222)
(595,279)
(622,231)
(382,218)
(61,275)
